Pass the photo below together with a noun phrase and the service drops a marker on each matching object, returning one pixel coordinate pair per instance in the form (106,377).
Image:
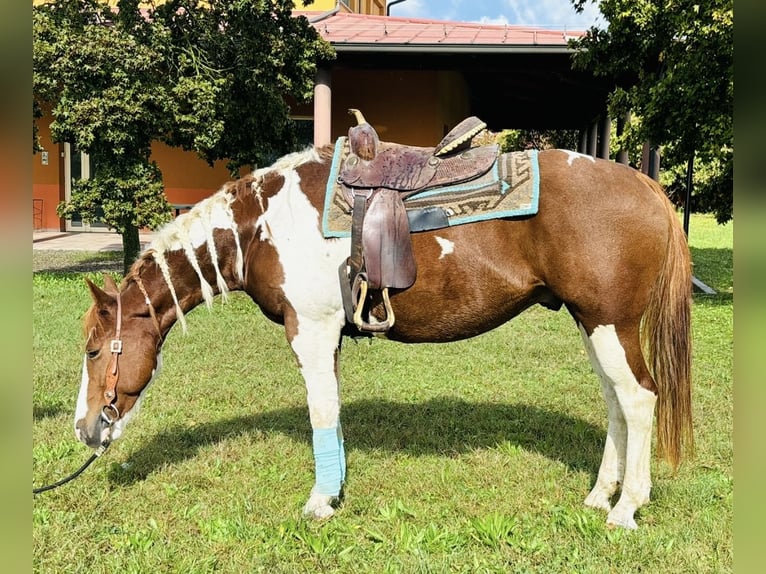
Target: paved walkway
(83,241)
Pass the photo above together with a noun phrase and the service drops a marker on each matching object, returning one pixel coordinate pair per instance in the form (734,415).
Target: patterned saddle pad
(509,189)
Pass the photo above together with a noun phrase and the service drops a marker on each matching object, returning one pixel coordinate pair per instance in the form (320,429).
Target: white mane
(195,228)
(191,230)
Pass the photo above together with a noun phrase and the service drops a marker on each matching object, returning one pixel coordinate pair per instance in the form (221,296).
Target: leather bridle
(109,413)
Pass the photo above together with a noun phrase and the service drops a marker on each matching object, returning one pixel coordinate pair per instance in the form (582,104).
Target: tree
(208,76)
(672,62)
(513,140)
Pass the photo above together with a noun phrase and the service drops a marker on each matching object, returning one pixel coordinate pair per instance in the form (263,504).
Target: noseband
(110,414)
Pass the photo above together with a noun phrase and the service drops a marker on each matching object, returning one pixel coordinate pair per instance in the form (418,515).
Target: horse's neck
(202,253)
(193,259)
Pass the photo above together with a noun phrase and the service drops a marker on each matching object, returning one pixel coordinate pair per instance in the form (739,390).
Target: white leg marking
(636,406)
(310,265)
(610,474)
(446,245)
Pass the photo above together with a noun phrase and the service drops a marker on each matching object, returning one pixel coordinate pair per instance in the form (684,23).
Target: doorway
(79,165)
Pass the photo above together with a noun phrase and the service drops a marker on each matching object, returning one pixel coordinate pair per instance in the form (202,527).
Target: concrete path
(83,241)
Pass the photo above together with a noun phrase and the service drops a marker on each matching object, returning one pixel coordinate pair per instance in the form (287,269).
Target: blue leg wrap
(330,460)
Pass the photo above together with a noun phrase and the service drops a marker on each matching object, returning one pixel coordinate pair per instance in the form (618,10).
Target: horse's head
(121,359)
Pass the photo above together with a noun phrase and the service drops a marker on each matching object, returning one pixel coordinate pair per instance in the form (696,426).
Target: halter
(110,413)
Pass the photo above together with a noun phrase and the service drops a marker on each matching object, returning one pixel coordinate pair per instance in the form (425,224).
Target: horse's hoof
(599,500)
(616,520)
(319,507)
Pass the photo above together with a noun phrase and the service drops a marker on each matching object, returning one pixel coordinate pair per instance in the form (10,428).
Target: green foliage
(673,66)
(209,76)
(513,140)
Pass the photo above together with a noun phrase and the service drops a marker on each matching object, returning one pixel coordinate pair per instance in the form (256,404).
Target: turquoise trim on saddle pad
(332,188)
(511,188)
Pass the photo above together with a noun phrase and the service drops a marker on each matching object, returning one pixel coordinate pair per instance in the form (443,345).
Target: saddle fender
(386,242)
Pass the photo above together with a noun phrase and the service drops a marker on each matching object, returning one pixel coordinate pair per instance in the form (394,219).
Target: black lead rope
(99,451)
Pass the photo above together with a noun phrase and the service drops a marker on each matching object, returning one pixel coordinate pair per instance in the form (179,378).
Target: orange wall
(187,178)
(407,106)
(47,181)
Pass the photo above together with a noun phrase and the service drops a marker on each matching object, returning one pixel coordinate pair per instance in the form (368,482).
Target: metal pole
(688,201)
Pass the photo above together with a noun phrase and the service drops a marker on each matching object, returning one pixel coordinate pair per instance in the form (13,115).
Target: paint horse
(605,244)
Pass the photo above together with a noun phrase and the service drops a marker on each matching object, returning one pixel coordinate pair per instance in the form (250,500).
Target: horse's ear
(100,297)
(110,286)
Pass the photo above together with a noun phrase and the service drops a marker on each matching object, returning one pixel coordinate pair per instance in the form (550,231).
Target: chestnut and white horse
(605,244)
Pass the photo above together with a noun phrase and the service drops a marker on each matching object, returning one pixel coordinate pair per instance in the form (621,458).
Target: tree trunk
(131,247)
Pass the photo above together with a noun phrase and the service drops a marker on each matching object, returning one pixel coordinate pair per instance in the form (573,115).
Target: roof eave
(453,48)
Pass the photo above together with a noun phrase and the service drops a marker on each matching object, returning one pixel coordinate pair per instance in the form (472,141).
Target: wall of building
(373,7)
(188,179)
(415,107)
(47,181)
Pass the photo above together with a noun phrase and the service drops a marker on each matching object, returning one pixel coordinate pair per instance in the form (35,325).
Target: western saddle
(376,177)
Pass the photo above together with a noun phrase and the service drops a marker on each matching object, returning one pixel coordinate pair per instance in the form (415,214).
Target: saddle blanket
(510,188)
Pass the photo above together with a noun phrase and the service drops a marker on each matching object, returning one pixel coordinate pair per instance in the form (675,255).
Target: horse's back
(597,242)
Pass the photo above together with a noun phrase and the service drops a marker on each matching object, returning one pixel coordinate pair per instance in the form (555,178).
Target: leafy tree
(512,140)
(209,76)
(672,64)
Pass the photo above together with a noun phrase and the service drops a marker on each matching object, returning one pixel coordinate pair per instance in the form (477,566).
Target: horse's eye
(93,354)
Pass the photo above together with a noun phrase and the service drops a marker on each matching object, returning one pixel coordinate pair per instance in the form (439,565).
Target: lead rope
(116,348)
(99,451)
(110,394)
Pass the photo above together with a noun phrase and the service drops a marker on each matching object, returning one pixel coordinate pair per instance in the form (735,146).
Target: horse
(605,244)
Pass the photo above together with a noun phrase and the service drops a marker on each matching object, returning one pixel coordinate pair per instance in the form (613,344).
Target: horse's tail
(666,340)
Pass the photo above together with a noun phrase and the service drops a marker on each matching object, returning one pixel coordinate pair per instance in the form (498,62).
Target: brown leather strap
(356,260)
(115,347)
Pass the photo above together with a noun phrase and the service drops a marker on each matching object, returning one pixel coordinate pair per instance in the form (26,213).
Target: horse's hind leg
(627,452)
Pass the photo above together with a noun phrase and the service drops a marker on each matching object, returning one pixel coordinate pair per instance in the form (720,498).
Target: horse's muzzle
(97,431)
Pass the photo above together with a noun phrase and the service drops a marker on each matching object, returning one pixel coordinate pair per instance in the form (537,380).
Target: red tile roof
(343,28)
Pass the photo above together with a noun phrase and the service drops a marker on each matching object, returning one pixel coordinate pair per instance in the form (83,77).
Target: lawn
(468,457)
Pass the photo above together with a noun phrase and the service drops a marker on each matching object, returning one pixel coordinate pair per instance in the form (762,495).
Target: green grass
(468,457)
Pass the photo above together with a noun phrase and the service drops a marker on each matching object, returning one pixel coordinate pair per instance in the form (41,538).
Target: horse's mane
(194,228)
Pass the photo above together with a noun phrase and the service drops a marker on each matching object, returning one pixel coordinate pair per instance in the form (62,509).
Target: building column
(593,139)
(650,161)
(605,138)
(322,107)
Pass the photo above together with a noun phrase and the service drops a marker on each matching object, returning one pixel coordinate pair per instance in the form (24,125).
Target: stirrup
(360,294)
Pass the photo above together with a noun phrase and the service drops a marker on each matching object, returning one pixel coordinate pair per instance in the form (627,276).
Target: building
(414,80)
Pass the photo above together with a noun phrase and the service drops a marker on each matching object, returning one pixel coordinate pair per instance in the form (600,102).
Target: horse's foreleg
(315,344)
(627,451)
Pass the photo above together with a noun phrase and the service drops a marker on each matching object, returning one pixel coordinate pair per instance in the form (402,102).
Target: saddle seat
(410,169)
(376,177)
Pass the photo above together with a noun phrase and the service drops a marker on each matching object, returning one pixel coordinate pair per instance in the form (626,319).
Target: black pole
(688,201)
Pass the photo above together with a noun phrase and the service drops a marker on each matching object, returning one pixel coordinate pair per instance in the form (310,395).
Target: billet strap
(354,264)
(356,260)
